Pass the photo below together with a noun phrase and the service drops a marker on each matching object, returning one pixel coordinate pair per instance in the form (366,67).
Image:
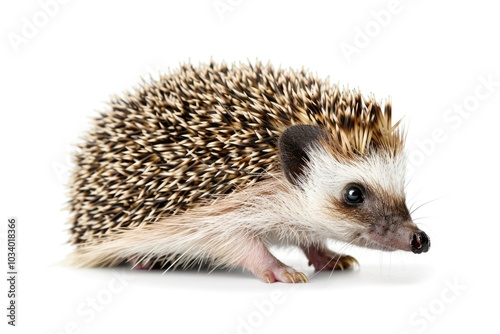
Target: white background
(432,58)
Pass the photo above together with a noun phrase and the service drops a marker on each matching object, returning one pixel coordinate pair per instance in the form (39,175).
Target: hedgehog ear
(293,144)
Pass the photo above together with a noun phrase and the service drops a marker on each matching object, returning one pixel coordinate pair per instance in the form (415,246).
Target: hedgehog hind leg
(136,263)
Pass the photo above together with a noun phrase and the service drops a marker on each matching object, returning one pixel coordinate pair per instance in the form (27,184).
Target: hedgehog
(214,164)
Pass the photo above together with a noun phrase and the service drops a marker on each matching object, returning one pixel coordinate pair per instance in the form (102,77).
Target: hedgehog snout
(398,236)
(420,242)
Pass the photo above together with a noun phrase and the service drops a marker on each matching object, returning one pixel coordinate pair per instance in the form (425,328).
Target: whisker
(425,203)
(419,218)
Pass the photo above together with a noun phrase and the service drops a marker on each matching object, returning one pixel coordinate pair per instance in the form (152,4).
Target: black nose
(420,243)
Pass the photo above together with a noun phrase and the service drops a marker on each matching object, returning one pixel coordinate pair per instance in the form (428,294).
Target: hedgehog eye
(354,195)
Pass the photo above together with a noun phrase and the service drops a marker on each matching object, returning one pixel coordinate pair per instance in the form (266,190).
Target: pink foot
(283,273)
(324,259)
(266,267)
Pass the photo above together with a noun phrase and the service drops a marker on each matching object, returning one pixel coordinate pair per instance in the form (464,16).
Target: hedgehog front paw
(284,274)
(325,260)
(265,266)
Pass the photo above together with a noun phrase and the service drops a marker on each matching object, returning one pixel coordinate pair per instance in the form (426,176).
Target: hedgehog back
(180,141)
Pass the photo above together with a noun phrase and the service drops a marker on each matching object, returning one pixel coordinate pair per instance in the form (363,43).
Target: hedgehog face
(359,200)
(369,194)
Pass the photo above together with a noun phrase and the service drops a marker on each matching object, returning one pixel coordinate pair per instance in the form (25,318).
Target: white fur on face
(326,178)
